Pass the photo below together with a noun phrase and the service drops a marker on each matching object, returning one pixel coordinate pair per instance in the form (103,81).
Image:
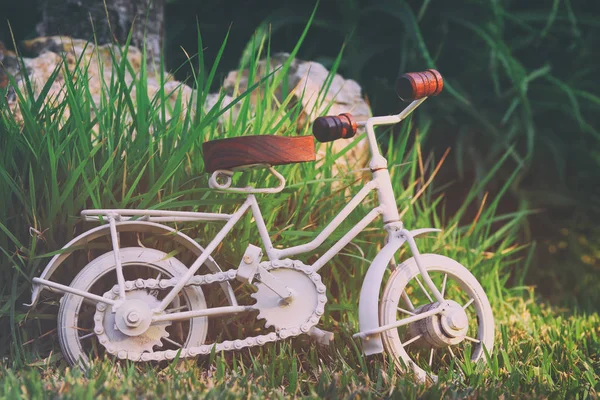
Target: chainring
(307,302)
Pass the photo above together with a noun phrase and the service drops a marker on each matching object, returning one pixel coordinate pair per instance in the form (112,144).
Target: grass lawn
(540,353)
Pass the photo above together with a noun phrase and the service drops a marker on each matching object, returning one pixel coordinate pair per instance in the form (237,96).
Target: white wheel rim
(392,305)
(70,336)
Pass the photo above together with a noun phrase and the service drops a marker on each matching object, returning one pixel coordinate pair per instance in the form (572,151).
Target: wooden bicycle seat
(240,151)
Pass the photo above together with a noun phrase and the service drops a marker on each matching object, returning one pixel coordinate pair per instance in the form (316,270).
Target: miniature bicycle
(134,302)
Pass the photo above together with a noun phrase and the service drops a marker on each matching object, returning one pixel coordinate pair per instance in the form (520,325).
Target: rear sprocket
(77,319)
(116,341)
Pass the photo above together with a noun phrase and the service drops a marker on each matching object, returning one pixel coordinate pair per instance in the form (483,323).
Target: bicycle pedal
(320,336)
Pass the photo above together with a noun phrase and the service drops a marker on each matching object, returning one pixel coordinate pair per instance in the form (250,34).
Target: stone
(8,65)
(305,80)
(65,52)
(107,21)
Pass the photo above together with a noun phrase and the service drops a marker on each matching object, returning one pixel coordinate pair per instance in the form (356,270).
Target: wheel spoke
(405,311)
(87,336)
(172,342)
(176,309)
(155,292)
(444,284)
(412,340)
(468,304)
(423,288)
(431,357)
(89,302)
(472,339)
(451,352)
(407,301)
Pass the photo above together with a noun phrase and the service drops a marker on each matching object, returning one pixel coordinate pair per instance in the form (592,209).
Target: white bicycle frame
(369,298)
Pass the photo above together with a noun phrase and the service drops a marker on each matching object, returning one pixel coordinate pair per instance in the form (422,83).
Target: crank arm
(208,312)
(402,322)
(77,292)
(266,278)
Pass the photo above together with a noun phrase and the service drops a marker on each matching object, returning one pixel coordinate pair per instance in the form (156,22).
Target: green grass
(53,164)
(539,353)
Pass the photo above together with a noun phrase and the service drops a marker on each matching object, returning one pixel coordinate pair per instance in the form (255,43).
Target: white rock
(307,79)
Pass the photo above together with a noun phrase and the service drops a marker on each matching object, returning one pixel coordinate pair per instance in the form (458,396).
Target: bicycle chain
(198,280)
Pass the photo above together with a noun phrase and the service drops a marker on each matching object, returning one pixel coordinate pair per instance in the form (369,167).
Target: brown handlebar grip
(416,85)
(328,129)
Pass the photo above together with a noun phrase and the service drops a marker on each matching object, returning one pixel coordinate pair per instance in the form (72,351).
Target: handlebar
(328,129)
(414,86)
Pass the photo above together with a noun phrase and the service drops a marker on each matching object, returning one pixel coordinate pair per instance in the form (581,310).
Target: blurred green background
(520,75)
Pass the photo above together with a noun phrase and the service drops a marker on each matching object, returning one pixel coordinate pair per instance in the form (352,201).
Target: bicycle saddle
(243,151)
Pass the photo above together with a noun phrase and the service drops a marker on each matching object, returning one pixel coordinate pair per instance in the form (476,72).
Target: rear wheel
(442,341)
(76,314)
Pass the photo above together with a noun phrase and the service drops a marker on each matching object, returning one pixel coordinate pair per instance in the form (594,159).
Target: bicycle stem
(378,161)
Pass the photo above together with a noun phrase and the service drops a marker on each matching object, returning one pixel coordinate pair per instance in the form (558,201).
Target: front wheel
(443,341)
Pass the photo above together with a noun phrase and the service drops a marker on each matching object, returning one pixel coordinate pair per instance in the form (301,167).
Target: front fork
(417,256)
(368,308)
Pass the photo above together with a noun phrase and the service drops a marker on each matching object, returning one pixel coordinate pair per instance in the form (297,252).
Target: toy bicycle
(134,302)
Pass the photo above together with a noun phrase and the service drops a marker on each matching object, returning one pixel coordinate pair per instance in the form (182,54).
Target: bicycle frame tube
(275,254)
(336,248)
(326,232)
(235,217)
